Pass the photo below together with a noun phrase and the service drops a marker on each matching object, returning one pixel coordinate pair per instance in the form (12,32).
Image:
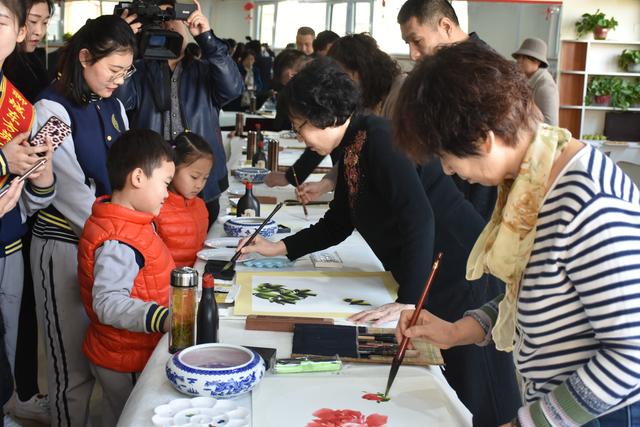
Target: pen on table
(295,178)
(235,256)
(397,359)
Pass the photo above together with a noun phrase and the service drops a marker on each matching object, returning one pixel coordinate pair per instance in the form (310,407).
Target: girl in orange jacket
(183,220)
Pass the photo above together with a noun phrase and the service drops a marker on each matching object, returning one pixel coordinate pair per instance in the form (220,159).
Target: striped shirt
(578,320)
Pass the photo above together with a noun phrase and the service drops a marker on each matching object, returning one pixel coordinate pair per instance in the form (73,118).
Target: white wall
(227,18)
(626,12)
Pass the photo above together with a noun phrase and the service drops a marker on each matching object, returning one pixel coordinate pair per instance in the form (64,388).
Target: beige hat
(535,48)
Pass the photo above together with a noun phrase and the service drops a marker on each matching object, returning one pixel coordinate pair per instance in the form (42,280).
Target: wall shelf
(579,60)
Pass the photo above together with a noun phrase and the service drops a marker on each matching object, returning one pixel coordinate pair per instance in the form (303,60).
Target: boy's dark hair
(101,37)
(139,148)
(376,69)
(306,31)
(450,102)
(189,147)
(324,39)
(18,8)
(321,93)
(427,11)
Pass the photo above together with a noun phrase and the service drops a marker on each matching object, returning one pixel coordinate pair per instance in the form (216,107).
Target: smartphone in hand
(55,129)
(25,176)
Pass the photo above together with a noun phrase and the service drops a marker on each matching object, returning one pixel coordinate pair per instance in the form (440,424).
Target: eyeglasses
(297,131)
(124,74)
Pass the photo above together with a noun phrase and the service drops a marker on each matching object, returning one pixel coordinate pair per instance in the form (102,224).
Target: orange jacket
(183,225)
(118,349)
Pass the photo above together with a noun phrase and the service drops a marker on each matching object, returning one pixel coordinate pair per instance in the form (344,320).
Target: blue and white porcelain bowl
(245,226)
(255,175)
(216,370)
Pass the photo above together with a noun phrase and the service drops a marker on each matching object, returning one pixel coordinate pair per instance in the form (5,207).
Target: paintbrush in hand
(397,359)
(253,236)
(295,178)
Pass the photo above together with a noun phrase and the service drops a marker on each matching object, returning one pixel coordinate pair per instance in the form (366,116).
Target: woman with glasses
(96,60)
(378,191)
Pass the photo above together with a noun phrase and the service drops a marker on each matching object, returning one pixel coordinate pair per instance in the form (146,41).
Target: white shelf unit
(579,60)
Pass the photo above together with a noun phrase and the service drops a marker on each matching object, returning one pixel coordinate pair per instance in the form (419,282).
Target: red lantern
(248,7)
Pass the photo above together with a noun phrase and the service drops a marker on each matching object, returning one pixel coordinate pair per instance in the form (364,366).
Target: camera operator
(176,95)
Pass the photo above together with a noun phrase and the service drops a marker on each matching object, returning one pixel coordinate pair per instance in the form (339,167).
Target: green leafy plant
(623,93)
(628,57)
(600,86)
(589,23)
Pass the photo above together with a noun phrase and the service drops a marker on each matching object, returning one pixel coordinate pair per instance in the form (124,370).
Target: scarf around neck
(504,246)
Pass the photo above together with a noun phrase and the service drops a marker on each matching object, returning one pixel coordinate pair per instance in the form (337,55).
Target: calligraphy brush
(253,236)
(397,359)
(295,178)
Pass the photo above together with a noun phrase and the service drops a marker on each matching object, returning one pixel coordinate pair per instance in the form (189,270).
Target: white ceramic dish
(201,412)
(222,242)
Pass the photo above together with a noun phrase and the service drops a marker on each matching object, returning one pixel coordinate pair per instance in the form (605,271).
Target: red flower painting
(326,417)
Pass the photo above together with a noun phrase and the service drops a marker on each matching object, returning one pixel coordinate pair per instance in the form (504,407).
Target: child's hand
(43,176)
(165,324)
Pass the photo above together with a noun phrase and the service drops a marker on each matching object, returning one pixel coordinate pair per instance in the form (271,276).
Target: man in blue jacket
(172,96)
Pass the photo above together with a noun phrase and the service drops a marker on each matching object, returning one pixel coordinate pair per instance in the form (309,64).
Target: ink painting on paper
(312,294)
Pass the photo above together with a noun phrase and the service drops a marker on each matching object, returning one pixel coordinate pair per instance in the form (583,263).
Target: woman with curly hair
(564,237)
(378,191)
(377,75)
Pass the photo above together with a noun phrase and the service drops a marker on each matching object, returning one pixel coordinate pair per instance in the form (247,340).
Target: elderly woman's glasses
(297,131)
(124,74)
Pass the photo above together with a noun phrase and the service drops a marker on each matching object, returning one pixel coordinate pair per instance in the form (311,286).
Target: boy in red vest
(124,267)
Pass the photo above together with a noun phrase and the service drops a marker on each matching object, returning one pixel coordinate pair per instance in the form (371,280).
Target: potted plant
(598,23)
(635,96)
(630,60)
(600,90)
(623,93)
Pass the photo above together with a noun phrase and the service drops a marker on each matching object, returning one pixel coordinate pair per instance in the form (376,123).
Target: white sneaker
(10,422)
(36,408)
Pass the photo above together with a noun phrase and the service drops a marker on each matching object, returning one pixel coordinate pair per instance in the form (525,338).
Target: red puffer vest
(118,349)
(183,225)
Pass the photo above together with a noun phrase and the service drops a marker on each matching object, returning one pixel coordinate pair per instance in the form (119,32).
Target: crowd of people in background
(464,149)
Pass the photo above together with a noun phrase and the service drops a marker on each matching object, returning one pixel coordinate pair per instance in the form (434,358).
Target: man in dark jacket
(425,25)
(184,94)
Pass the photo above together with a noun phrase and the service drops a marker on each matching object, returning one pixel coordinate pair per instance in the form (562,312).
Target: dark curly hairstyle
(102,36)
(451,101)
(321,93)
(376,70)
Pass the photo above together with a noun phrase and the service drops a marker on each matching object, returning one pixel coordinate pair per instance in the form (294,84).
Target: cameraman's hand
(197,22)
(135,26)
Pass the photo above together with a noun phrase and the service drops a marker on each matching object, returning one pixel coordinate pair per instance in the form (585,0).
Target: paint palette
(201,412)
(222,254)
(267,262)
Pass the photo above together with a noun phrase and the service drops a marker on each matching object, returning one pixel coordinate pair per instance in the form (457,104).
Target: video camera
(156,42)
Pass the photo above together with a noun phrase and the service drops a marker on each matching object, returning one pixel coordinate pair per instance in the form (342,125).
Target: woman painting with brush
(564,237)
(379,193)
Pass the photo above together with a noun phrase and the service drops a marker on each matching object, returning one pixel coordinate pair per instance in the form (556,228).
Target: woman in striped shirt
(564,237)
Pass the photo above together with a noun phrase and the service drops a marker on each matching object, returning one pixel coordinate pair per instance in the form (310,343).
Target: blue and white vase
(217,370)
